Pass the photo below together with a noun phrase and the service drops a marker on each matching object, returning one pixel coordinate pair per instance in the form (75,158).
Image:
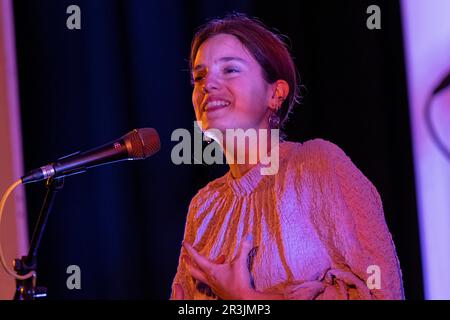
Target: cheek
(254,97)
(196,102)
(196,99)
(193,100)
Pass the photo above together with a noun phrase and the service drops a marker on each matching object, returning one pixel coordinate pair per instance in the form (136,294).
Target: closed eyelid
(231,70)
(225,66)
(203,73)
(222,60)
(199,73)
(233,67)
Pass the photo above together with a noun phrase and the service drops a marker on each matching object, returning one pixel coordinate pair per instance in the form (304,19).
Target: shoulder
(330,163)
(317,154)
(323,164)
(322,150)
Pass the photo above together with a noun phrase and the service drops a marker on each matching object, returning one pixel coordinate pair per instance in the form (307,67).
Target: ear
(279,92)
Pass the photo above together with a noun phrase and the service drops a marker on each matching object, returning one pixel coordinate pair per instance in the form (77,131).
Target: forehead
(219,46)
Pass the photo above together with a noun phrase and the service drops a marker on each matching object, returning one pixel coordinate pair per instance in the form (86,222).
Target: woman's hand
(229,281)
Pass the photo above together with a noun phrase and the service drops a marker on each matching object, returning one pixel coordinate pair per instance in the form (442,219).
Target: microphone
(135,145)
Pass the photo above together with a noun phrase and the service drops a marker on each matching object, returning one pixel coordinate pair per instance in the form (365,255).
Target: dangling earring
(208,139)
(274,120)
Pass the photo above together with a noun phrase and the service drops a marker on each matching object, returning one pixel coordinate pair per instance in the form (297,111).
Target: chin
(213,124)
(219,125)
(224,123)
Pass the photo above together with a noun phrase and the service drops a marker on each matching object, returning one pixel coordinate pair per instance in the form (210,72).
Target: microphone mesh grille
(145,142)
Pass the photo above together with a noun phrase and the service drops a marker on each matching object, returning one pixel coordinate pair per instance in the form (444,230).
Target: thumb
(244,250)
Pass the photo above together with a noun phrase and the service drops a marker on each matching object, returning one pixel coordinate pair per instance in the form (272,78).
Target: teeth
(216,103)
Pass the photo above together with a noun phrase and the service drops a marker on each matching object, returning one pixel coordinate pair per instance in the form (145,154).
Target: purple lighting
(426,27)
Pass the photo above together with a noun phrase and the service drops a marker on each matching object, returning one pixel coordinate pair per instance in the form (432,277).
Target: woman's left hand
(229,281)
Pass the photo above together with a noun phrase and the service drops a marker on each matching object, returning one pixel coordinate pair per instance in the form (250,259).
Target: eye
(231,70)
(198,77)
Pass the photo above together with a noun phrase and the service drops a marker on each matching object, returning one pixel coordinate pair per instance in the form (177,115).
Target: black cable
(428,118)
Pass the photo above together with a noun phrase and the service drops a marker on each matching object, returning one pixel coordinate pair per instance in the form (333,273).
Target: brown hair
(267,47)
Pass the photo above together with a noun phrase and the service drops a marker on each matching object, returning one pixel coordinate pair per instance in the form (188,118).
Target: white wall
(426,25)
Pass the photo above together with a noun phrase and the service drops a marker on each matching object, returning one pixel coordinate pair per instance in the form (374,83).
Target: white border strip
(426,29)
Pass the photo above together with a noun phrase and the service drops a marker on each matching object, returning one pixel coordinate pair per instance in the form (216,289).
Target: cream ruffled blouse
(318,218)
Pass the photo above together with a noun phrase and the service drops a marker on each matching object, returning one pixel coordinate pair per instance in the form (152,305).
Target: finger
(200,260)
(244,250)
(315,290)
(178,292)
(194,270)
(307,290)
(220,260)
(197,274)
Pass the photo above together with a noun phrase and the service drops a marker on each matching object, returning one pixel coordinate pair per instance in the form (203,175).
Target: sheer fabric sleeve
(350,220)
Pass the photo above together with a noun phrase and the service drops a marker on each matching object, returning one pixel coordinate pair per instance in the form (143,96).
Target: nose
(210,84)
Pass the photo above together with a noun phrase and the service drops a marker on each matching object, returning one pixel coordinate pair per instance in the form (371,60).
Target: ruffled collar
(253,180)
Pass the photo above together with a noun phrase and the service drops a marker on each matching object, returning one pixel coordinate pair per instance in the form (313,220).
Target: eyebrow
(223,59)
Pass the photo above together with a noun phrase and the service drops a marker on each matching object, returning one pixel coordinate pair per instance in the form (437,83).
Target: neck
(242,157)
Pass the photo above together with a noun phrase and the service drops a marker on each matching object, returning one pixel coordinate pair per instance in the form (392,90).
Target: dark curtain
(127,68)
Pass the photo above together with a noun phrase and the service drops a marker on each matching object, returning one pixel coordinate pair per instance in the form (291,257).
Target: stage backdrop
(13,228)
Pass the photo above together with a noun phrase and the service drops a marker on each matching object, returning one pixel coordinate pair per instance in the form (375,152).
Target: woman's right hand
(178,291)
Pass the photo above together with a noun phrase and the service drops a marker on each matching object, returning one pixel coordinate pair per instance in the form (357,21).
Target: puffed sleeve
(350,220)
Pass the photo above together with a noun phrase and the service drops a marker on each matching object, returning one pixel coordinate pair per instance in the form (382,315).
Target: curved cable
(2,256)
(432,130)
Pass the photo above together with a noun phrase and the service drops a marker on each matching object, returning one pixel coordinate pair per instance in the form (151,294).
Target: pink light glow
(14,227)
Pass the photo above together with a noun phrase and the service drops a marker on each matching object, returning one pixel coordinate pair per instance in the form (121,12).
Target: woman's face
(229,89)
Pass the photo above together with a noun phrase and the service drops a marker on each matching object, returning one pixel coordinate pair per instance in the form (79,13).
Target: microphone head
(143,143)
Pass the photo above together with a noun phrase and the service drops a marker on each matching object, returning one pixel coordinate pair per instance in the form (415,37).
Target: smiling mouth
(216,105)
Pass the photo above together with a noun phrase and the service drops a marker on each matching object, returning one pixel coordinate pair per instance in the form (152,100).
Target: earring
(207,139)
(274,120)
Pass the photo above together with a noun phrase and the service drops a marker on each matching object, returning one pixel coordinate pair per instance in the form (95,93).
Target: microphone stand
(26,289)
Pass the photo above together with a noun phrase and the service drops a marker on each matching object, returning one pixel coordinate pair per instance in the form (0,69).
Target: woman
(313,230)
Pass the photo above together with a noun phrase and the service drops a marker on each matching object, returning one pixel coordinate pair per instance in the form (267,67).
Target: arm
(365,238)
(355,231)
